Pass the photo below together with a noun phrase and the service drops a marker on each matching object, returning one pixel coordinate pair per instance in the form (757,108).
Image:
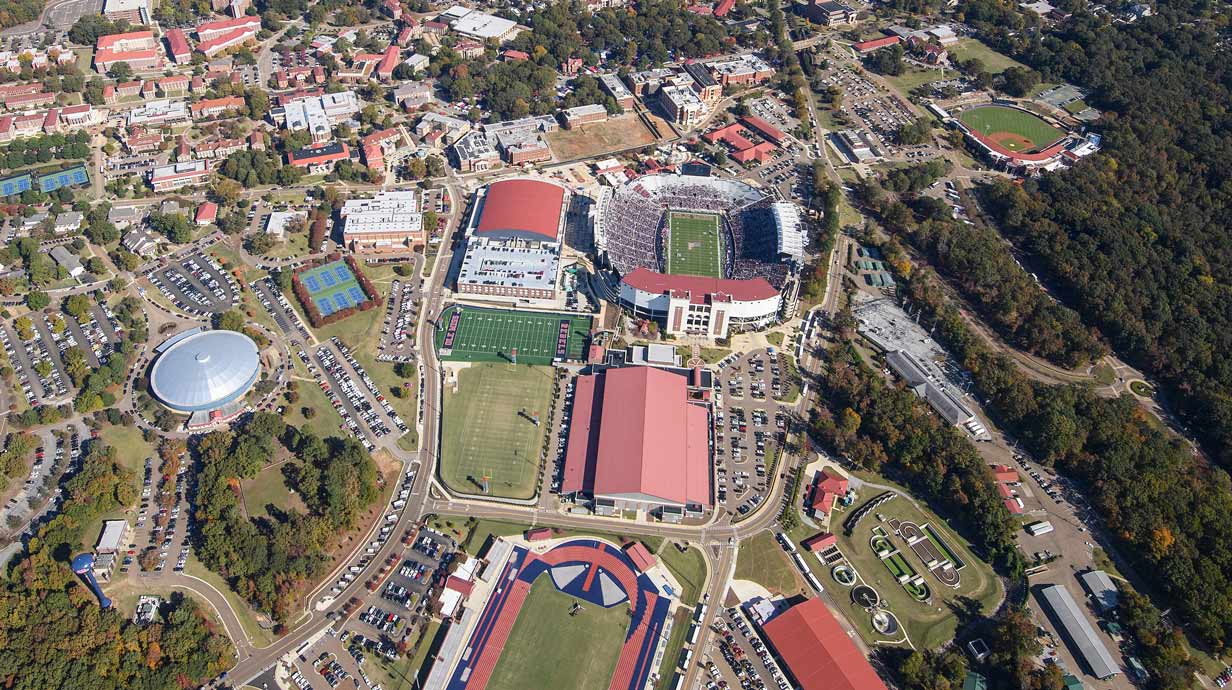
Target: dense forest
(14,12)
(1137,238)
(272,561)
(54,634)
(978,262)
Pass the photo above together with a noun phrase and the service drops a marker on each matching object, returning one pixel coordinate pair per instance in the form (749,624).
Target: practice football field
(473,334)
(1014,129)
(548,648)
(488,428)
(694,248)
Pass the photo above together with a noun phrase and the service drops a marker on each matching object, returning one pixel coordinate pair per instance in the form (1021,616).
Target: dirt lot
(620,132)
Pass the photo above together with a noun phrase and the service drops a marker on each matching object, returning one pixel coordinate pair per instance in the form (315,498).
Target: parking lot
(742,659)
(196,285)
(164,517)
(59,451)
(50,337)
(401,315)
(749,423)
(354,394)
(875,110)
(280,309)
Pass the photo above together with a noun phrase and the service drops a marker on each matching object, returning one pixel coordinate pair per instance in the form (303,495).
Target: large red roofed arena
(636,439)
(522,208)
(817,651)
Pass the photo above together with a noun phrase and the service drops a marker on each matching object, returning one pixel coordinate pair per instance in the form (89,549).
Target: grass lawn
(267,488)
(1076,106)
(912,78)
(695,248)
(763,561)
(927,624)
(994,62)
(487,429)
(296,244)
(475,535)
(130,446)
(1104,374)
(775,338)
(1141,388)
(326,421)
(548,648)
(995,120)
(689,568)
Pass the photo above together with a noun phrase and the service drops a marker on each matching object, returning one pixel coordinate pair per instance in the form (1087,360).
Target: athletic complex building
(701,255)
(592,572)
(637,442)
(205,374)
(513,240)
(817,651)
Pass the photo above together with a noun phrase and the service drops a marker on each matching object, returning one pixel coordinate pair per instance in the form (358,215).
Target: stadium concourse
(586,569)
(633,235)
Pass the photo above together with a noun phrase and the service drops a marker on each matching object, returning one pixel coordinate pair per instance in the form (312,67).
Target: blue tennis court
(332,287)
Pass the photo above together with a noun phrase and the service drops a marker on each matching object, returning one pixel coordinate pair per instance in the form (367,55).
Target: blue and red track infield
(649,609)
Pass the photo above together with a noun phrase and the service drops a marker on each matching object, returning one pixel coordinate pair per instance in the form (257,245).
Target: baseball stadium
(595,622)
(708,241)
(1018,139)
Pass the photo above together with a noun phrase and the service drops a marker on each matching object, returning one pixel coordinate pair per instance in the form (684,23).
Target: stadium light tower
(83,565)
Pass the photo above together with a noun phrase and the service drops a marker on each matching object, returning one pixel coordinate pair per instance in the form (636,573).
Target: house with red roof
(820,542)
(539,534)
(763,128)
(207,213)
(828,487)
(697,305)
(724,6)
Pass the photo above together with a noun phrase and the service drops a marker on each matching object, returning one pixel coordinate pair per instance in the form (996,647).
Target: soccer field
(548,648)
(694,247)
(472,334)
(487,428)
(1014,129)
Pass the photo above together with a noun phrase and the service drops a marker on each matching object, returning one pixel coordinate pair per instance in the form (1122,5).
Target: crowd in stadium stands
(634,219)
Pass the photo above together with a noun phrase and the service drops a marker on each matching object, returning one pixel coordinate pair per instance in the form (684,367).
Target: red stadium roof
(818,652)
(523,208)
(634,434)
(700,289)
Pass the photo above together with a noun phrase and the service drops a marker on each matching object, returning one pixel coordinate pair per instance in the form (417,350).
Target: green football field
(488,428)
(996,121)
(548,648)
(694,247)
(491,335)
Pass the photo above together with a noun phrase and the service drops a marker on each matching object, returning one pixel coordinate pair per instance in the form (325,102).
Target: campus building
(137,48)
(391,222)
(318,113)
(637,441)
(514,240)
(584,114)
(828,12)
(742,70)
(816,651)
(133,11)
(167,177)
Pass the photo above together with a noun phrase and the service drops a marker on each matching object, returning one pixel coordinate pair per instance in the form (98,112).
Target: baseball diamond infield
(1014,129)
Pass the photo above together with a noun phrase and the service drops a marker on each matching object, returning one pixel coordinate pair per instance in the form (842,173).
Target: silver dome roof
(205,371)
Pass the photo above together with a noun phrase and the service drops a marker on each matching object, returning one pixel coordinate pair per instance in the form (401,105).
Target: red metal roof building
(636,440)
(207,213)
(817,651)
(820,542)
(763,128)
(522,208)
(641,557)
(177,47)
(875,44)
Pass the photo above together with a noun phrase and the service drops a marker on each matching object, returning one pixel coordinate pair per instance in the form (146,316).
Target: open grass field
(488,430)
(927,624)
(548,648)
(994,62)
(689,567)
(269,488)
(763,561)
(616,134)
(474,334)
(694,245)
(1014,129)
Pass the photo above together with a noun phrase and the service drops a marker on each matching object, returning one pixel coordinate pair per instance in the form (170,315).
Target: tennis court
(332,287)
(475,334)
(694,247)
(489,428)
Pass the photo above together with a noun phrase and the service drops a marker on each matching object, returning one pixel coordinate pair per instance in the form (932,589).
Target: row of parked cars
(398,336)
(36,351)
(287,317)
(370,384)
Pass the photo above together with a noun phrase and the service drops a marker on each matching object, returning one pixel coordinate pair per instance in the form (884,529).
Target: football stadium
(703,255)
(516,625)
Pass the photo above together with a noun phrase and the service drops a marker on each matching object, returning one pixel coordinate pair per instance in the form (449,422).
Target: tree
(120,71)
(37,300)
(230,320)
